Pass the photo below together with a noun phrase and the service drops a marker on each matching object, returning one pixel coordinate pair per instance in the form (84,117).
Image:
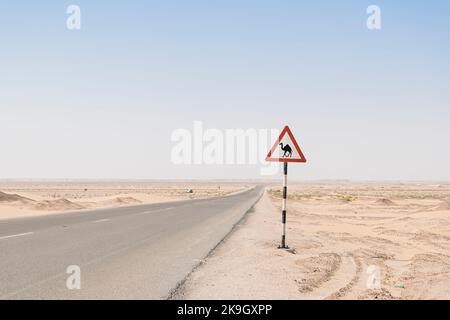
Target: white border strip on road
(101,220)
(16,235)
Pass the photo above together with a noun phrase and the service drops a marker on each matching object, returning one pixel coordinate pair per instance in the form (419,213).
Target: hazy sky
(103,101)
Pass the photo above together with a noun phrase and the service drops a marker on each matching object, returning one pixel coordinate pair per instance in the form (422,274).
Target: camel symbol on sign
(290,150)
(287,150)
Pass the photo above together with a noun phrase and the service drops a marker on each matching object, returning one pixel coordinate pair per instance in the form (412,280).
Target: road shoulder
(247,264)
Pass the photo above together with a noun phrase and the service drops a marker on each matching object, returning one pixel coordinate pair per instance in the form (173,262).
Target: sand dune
(124,201)
(58,205)
(14,198)
(385,202)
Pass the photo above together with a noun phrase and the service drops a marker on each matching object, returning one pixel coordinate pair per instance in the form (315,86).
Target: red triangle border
(288,131)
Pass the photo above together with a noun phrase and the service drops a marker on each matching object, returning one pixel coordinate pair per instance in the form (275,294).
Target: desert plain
(347,241)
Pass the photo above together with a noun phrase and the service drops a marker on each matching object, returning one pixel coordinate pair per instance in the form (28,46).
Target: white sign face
(286,149)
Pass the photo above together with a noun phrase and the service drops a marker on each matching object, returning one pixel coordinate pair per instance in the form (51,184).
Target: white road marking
(101,220)
(16,235)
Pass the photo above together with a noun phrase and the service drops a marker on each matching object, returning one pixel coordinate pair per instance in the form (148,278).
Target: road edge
(176,292)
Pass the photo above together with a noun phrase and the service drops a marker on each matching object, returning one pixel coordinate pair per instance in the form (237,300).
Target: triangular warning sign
(286,149)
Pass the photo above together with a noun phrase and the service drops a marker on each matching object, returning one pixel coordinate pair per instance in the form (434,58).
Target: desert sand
(32,198)
(347,241)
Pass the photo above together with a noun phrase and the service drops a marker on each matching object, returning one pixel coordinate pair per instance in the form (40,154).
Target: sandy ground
(31,198)
(348,241)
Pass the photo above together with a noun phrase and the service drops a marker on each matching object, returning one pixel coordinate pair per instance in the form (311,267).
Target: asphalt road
(136,252)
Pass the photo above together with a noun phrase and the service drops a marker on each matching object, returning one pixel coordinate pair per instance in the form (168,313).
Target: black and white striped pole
(283,208)
(290,152)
